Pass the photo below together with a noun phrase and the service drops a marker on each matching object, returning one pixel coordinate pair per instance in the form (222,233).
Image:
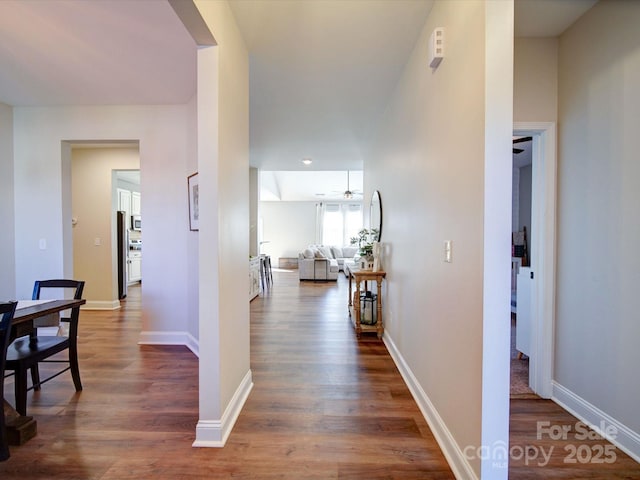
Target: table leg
(19,428)
(350,304)
(379,326)
(356,308)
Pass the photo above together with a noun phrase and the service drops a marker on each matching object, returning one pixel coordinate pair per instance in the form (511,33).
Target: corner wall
(223,163)
(430,167)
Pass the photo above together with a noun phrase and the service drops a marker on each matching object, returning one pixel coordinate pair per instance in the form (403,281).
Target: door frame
(543,243)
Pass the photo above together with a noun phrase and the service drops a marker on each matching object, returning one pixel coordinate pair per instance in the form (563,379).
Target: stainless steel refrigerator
(123,253)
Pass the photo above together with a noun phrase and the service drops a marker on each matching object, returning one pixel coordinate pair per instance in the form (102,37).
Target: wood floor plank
(324,406)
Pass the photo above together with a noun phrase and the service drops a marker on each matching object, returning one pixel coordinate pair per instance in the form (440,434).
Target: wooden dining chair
(25,353)
(7,310)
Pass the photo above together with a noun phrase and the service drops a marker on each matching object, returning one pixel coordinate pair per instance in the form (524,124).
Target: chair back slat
(77,285)
(7,310)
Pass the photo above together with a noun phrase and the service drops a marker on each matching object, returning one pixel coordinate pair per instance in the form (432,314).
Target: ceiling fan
(348,194)
(520,140)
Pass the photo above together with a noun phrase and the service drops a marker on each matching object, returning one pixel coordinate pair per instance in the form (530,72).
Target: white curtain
(319,222)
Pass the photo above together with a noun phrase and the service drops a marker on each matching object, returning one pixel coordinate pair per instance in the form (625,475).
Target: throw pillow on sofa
(308,253)
(349,252)
(337,252)
(326,251)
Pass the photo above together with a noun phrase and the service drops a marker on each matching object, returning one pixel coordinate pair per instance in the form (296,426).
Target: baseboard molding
(459,464)
(214,433)
(170,338)
(625,439)
(101,305)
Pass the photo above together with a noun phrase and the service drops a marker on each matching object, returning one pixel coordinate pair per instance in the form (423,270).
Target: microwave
(136,223)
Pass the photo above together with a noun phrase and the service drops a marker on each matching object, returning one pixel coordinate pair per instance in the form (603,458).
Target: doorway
(521,254)
(543,262)
(93,205)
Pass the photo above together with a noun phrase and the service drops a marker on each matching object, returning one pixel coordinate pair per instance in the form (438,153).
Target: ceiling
(310,185)
(320,70)
(98,52)
(547,18)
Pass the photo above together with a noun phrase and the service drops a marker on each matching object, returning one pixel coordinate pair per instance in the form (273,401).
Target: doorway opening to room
(533,256)
(102,175)
(521,254)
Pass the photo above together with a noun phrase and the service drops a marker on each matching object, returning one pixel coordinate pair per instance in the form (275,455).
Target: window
(340,222)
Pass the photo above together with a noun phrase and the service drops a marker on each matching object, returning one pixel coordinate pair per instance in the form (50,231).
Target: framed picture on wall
(194,202)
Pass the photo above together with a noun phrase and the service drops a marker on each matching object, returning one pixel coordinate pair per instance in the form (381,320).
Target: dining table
(21,428)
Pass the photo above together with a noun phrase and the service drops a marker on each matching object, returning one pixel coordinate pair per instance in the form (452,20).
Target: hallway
(324,406)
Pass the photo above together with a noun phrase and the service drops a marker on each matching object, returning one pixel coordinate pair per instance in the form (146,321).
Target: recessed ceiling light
(307,161)
(319,194)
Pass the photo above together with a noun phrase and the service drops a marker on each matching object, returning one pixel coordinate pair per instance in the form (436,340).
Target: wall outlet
(42,244)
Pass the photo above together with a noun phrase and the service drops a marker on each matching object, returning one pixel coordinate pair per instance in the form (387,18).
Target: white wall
(598,225)
(43,208)
(7,233)
(430,169)
(535,79)
(289,227)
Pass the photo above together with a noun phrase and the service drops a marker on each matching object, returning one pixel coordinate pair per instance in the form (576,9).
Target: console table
(360,275)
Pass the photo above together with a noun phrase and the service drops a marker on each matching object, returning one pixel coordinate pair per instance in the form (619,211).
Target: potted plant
(364,240)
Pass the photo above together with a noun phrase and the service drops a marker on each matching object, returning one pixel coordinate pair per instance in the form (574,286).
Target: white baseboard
(170,338)
(457,461)
(101,305)
(624,438)
(214,433)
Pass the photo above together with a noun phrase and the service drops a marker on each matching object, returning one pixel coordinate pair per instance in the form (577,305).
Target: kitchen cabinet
(135,266)
(135,203)
(124,203)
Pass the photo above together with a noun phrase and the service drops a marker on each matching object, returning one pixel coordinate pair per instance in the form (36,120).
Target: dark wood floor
(324,406)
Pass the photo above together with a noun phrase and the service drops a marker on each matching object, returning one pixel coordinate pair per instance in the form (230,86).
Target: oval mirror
(375,214)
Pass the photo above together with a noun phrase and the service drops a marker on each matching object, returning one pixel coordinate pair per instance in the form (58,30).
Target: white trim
(543,242)
(170,338)
(455,457)
(101,305)
(626,439)
(214,433)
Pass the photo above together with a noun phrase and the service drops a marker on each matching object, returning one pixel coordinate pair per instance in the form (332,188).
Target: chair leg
(20,380)
(75,369)
(4,441)
(35,377)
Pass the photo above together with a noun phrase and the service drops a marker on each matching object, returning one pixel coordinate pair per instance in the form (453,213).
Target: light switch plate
(448,254)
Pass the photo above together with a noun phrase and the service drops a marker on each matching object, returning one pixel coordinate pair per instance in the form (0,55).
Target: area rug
(519,370)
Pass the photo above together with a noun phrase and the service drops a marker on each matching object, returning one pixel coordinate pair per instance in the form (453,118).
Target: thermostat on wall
(436,47)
